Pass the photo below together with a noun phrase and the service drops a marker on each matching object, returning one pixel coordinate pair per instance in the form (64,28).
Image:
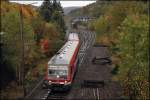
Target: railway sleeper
(93,83)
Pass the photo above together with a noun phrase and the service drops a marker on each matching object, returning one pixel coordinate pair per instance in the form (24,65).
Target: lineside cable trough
(101,61)
(92,83)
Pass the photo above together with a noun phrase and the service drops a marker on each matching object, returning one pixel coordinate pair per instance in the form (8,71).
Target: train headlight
(65,82)
(50,81)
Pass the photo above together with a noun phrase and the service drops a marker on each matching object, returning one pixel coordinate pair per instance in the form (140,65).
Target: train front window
(58,73)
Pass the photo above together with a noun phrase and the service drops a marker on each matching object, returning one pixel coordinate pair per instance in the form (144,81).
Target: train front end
(57,77)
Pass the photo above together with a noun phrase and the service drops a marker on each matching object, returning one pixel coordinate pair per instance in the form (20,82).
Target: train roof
(64,55)
(73,36)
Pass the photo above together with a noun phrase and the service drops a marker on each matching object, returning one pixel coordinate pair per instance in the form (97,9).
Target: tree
(57,17)
(129,32)
(46,10)
(51,11)
(38,26)
(56,6)
(133,44)
(11,37)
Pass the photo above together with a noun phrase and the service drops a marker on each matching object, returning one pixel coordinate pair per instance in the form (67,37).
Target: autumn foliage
(40,39)
(124,27)
(44,43)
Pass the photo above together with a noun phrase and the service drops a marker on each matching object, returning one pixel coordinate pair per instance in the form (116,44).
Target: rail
(34,89)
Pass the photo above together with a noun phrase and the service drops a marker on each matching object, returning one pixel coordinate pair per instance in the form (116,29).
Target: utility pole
(22,72)
(22,67)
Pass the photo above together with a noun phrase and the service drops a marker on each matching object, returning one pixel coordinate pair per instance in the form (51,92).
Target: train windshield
(58,72)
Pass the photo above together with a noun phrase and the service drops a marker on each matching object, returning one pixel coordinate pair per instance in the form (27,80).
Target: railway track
(87,39)
(87,71)
(38,93)
(57,96)
(45,95)
(102,87)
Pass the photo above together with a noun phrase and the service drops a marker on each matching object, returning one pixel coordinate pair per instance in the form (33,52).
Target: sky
(67,3)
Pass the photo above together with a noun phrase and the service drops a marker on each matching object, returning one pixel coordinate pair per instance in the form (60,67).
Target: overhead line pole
(22,67)
(22,72)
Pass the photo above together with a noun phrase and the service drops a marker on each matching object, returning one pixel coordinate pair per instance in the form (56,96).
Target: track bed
(93,81)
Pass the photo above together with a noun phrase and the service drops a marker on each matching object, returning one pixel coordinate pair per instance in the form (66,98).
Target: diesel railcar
(62,67)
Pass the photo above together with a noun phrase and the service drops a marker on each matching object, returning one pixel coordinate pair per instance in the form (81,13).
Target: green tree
(38,26)
(133,44)
(102,26)
(46,10)
(51,11)
(11,39)
(128,30)
(57,17)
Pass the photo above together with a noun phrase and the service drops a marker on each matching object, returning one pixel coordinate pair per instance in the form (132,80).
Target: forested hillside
(69,9)
(92,10)
(41,33)
(124,26)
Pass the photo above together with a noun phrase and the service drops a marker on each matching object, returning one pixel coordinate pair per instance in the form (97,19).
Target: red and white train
(62,66)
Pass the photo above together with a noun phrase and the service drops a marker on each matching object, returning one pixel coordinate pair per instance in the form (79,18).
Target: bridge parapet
(82,18)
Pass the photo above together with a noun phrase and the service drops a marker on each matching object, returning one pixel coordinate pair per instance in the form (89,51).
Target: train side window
(50,72)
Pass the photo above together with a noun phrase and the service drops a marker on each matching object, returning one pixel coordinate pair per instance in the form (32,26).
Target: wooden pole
(22,72)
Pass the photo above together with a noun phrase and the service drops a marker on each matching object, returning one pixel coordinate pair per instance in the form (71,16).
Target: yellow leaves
(28,11)
(5,7)
(127,26)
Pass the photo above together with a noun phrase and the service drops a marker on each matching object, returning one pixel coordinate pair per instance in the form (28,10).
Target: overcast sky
(67,3)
